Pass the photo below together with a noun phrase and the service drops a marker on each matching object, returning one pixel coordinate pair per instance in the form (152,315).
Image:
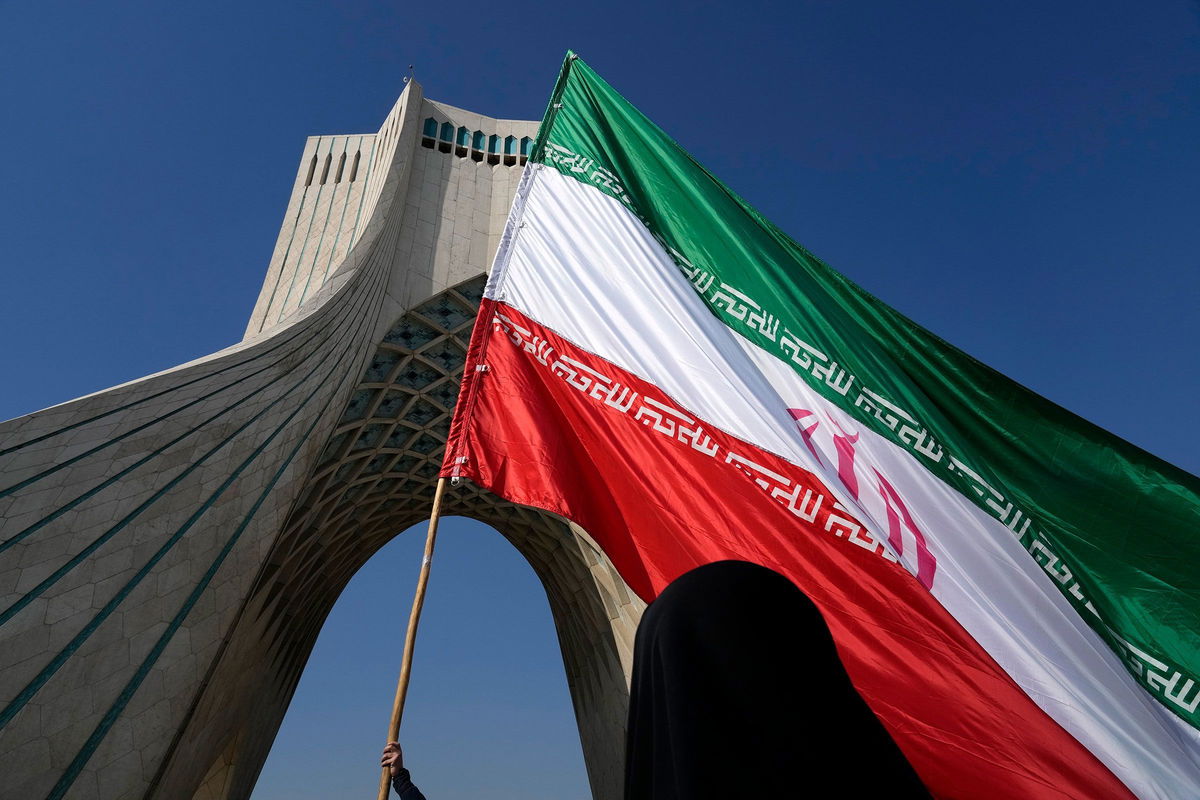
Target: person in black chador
(737,691)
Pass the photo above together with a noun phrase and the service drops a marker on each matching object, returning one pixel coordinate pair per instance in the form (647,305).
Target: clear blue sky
(1022,178)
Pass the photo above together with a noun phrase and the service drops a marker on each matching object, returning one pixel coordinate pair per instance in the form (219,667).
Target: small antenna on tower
(410,76)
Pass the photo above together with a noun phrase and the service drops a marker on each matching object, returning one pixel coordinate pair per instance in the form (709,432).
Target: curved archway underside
(376,478)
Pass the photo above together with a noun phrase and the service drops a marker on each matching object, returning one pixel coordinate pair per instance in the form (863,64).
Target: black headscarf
(738,692)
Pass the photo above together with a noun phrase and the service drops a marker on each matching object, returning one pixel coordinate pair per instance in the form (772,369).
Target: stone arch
(170,547)
(375,479)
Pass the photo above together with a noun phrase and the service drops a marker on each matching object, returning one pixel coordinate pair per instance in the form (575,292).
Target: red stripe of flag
(553,426)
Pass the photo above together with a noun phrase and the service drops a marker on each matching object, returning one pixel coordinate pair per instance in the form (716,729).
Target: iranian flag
(1013,590)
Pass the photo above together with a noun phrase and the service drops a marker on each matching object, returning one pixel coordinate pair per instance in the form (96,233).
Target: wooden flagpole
(414,617)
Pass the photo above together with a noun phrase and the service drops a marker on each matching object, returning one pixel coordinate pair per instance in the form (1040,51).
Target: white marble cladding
(331,202)
(322,221)
(169,547)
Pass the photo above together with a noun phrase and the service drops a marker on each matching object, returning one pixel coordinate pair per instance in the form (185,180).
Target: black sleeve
(404,787)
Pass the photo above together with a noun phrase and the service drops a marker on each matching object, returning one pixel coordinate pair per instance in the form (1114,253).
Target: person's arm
(393,759)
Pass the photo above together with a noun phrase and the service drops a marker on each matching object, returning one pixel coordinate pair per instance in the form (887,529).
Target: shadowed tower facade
(170,547)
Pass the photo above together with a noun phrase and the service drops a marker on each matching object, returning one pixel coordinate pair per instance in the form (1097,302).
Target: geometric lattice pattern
(376,476)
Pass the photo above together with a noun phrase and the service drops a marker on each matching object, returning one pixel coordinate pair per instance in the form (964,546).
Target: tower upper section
(455,170)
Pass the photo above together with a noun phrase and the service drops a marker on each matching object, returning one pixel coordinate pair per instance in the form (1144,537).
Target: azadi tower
(169,548)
